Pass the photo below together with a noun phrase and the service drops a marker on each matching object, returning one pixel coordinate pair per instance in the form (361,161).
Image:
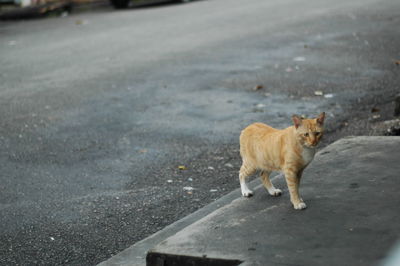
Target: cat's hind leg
(268,185)
(245,171)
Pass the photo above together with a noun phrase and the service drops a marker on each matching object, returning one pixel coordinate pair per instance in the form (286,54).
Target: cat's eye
(306,134)
(317,133)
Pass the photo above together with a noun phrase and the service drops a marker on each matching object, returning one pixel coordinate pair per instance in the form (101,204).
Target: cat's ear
(321,118)
(297,121)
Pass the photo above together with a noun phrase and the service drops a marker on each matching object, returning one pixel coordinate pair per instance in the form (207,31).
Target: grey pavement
(98,109)
(351,189)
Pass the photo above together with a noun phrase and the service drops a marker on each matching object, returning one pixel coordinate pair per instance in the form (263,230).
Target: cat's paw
(300,206)
(275,192)
(247,193)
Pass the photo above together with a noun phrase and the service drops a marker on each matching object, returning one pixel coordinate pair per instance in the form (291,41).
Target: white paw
(300,206)
(247,193)
(275,192)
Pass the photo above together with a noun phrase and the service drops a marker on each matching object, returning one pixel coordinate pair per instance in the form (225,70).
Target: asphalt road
(99,109)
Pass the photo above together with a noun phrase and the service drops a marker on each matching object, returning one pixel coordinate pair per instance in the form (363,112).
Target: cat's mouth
(311,145)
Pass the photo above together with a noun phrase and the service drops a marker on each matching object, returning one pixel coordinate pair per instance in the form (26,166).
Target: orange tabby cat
(289,150)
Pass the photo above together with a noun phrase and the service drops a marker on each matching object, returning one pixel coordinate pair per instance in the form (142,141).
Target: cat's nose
(314,143)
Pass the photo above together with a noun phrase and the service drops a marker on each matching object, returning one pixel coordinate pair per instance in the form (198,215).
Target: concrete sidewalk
(351,190)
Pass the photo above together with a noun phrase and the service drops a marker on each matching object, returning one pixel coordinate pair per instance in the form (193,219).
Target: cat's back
(258,141)
(257,129)
(256,134)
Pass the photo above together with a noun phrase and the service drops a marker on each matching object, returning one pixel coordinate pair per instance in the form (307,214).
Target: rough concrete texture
(351,189)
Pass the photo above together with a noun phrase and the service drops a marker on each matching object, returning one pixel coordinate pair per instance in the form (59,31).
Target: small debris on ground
(188,188)
(258,87)
(260,105)
(328,95)
(81,22)
(299,59)
(229,165)
(318,93)
(182,167)
(213,190)
(393,131)
(210,168)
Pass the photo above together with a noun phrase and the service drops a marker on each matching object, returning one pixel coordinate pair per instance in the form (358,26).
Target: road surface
(114,124)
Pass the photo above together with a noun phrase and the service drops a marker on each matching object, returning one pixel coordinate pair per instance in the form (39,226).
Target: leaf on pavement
(258,87)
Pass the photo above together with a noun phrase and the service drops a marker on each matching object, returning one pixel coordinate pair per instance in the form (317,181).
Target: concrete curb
(135,255)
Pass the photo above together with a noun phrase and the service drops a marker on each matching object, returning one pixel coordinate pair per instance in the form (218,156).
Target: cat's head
(309,131)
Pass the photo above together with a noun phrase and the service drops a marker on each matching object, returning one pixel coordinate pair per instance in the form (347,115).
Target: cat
(288,150)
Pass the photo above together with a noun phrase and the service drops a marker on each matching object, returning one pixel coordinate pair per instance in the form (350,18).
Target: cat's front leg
(293,182)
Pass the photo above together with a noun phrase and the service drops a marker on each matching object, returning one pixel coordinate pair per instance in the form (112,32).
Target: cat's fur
(289,150)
